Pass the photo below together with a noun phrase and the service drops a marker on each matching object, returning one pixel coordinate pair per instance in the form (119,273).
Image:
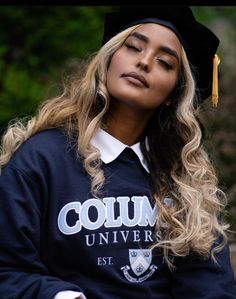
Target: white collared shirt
(110,148)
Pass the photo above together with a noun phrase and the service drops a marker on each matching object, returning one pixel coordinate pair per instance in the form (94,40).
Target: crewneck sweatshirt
(56,236)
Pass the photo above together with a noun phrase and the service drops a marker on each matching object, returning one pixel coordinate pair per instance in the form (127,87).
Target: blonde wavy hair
(190,223)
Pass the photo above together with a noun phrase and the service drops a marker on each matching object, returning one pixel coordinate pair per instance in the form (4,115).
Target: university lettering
(143,213)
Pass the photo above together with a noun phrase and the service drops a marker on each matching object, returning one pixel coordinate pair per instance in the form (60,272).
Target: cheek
(114,71)
(110,79)
(165,85)
(115,64)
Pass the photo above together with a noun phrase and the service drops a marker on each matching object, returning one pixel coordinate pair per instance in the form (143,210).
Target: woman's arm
(22,273)
(197,278)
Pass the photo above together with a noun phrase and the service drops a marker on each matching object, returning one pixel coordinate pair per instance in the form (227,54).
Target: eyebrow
(162,48)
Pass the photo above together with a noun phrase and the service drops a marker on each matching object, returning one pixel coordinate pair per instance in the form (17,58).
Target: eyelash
(163,62)
(130,46)
(167,65)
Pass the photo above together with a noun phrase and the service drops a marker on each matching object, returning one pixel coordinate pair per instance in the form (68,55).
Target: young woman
(107,192)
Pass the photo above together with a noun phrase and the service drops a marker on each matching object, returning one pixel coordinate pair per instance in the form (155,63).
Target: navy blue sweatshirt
(56,236)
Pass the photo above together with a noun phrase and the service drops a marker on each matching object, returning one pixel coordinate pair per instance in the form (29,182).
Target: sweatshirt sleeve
(23,275)
(202,278)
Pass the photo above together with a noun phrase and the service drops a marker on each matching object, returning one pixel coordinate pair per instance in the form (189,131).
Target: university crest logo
(140,262)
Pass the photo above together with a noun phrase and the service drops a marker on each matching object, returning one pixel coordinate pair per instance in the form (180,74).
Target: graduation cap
(199,42)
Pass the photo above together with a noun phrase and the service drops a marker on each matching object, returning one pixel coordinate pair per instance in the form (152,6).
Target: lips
(136,76)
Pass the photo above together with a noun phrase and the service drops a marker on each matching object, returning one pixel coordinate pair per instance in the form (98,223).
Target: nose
(144,63)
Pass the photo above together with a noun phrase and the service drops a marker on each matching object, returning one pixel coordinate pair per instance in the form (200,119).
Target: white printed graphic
(143,214)
(140,261)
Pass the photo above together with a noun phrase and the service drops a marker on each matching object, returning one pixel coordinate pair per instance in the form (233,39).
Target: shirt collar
(110,148)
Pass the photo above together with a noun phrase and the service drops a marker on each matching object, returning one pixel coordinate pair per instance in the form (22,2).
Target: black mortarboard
(199,42)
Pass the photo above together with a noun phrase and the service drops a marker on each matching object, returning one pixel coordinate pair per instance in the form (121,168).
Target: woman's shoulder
(44,146)
(47,136)
(45,141)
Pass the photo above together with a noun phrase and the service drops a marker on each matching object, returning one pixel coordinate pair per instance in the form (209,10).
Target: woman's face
(144,70)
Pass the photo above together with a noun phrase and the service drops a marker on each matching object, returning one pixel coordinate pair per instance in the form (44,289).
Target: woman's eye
(166,64)
(130,46)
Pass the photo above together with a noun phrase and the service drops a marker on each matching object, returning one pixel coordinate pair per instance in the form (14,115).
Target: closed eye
(166,64)
(132,47)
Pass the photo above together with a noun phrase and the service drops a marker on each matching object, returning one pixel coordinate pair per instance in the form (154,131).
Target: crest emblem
(140,260)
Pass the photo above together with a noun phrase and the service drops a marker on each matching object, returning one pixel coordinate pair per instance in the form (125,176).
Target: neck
(127,124)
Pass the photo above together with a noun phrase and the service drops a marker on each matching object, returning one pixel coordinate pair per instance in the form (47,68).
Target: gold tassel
(215,87)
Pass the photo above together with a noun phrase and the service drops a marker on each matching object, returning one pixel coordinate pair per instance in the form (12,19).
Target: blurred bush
(37,45)
(220,122)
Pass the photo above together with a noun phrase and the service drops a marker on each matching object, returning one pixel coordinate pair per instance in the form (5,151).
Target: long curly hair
(179,166)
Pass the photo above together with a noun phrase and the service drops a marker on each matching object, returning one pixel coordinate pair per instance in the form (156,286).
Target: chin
(130,102)
(127,95)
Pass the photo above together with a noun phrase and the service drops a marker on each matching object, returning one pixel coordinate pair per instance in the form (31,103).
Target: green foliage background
(39,45)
